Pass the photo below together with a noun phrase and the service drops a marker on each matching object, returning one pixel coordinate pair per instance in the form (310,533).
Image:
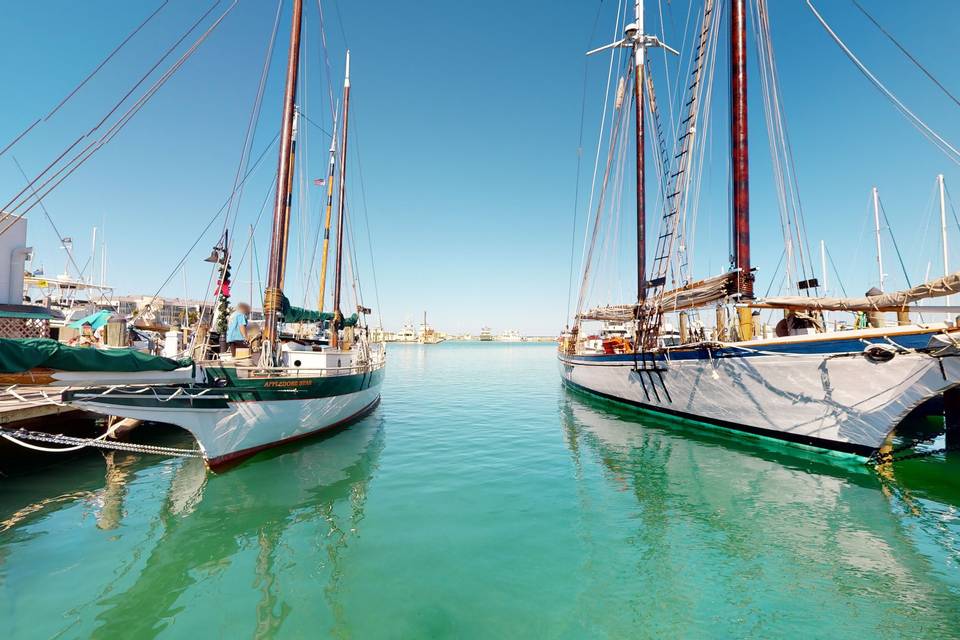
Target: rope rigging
(86,79)
(905,52)
(69,167)
(948,149)
(792,220)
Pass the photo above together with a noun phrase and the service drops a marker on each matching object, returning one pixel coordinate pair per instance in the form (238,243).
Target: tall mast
(341,204)
(823,267)
(639,47)
(273,296)
(876,229)
(943,232)
(331,174)
(738,147)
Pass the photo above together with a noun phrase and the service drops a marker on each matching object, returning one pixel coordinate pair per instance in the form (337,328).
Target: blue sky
(467,120)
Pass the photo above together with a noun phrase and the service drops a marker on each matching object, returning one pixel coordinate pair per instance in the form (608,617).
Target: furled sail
(695,294)
(298,314)
(945,286)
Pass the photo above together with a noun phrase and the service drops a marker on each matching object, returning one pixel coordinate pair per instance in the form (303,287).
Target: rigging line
(343,32)
(52,224)
(96,145)
(212,220)
(790,173)
(576,194)
(620,117)
(776,270)
(256,225)
(603,121)
(896,247)
(836,272)
(949,150)
(322,130)
(666,67)
(952,209)
(165,55)
(91,131)
(86,79)
(366,221)
(326,59)
(252,122)
(906,53)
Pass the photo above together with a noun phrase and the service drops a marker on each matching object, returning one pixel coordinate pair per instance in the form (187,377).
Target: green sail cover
(18,355)
(298,314)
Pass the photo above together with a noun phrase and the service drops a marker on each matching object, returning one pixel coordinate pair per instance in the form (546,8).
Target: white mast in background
(943,234)
(876,226)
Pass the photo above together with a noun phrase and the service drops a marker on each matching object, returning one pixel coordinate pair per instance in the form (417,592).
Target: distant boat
(428,335)
(510,336)
(486,335)
(406,334)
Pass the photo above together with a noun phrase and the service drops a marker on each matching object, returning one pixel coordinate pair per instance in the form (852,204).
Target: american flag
(319,182)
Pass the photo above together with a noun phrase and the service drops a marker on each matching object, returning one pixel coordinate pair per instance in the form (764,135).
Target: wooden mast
(341,204)
(273,296)
(738,147)
(331,173)
(638,53)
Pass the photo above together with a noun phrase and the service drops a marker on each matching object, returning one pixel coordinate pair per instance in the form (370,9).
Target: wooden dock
(20,404)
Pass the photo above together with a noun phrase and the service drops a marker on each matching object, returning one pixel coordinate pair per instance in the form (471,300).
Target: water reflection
(178,539)
(777,520)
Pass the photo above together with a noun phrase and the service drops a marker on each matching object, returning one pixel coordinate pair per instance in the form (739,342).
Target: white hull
(839,400)
(243,428)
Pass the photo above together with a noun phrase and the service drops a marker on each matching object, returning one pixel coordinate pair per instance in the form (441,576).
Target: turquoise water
(481,500)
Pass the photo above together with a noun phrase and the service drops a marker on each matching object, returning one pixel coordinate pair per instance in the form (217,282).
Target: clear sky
(467,118)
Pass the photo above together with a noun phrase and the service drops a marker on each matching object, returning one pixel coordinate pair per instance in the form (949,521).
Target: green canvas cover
(18,355)
(298,314)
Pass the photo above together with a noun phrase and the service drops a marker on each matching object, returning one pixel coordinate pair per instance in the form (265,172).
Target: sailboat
(827,389)
(294,390)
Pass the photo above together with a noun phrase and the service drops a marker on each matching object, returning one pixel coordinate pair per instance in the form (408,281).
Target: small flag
(319,182)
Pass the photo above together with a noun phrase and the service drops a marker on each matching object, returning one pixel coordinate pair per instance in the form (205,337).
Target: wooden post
(745,323)
(721,330)
(903,317)
(684,328)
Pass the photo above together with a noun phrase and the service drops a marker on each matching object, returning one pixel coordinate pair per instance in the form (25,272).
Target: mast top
(346,77)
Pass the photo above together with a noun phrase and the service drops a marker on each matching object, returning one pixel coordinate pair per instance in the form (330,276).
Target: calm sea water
(481,500)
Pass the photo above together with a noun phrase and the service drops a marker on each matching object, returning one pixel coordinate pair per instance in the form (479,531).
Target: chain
(23,434)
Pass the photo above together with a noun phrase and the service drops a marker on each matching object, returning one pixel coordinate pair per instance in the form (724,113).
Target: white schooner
(829,388)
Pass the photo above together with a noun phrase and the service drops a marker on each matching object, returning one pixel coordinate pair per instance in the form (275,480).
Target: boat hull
(232,424)
(827,394)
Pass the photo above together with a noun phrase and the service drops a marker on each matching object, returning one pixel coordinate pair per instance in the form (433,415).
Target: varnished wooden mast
(337,314)
(638,53)
(331,174)
(273,297)
(738,146)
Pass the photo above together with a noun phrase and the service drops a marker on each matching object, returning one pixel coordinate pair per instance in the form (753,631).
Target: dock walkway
(30,403)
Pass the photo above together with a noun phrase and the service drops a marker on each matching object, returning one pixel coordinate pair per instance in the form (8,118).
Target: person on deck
(237,329)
